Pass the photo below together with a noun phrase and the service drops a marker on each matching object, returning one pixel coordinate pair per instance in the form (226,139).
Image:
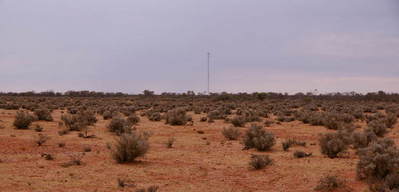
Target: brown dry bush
(285,118)
(130,146)
(268,123)
(363,139)
(292,142)
(152,188)
(79,121)
(87,117)
(231,133)
(391,120)
(301,154)
(125,183)
(154,115)
(197,110)
(376,116)
(38,128)
(47,156)
(43,114)
(107,115)
(119,125)
(40,139)
(330,183)
(72,122)
(378,127)
(379,164)
(391,183)
(258,138)
(75,159)
(332,144)
(170,142)
(315,118)
(176,117)
(203,119)
(337,121)
(259,161)
(23,120)
(238,121)
(250,115)
(358,114)
(133,119)
(217,114)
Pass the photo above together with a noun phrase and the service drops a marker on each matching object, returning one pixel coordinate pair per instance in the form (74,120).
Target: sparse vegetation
(152,188)
(170,142)
(301,154)
(38,128)
(125,183)
(62,144)
(292,142)
(75,160)
(351,126)
(41,139)
(47,156)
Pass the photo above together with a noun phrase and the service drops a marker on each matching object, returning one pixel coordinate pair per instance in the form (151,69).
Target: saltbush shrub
(291,142)
(133,119)
(238,121)
(43,114)
(330,183)
(176,117)
(119,125)
(258,138)
(23,120)
(130,146)
(378,127)
(72,123)
(301,154)
(41,139)
(363,139)
(154,116)
(331,144)
(231,133)
(86,117)
(217,114)
(391,120)
(107,115)
(379,160)
(259,161)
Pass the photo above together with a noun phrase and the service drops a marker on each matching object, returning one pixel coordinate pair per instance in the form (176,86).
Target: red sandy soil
(197,162)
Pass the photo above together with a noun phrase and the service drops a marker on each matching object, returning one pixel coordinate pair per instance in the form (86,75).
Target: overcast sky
(256,45)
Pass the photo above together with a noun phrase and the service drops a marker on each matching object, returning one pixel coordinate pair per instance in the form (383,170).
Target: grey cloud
(124,45)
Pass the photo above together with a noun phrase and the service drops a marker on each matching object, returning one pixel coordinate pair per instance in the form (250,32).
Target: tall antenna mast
(209,56)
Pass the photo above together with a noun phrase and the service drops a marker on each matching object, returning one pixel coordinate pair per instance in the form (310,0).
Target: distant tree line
(223,96)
